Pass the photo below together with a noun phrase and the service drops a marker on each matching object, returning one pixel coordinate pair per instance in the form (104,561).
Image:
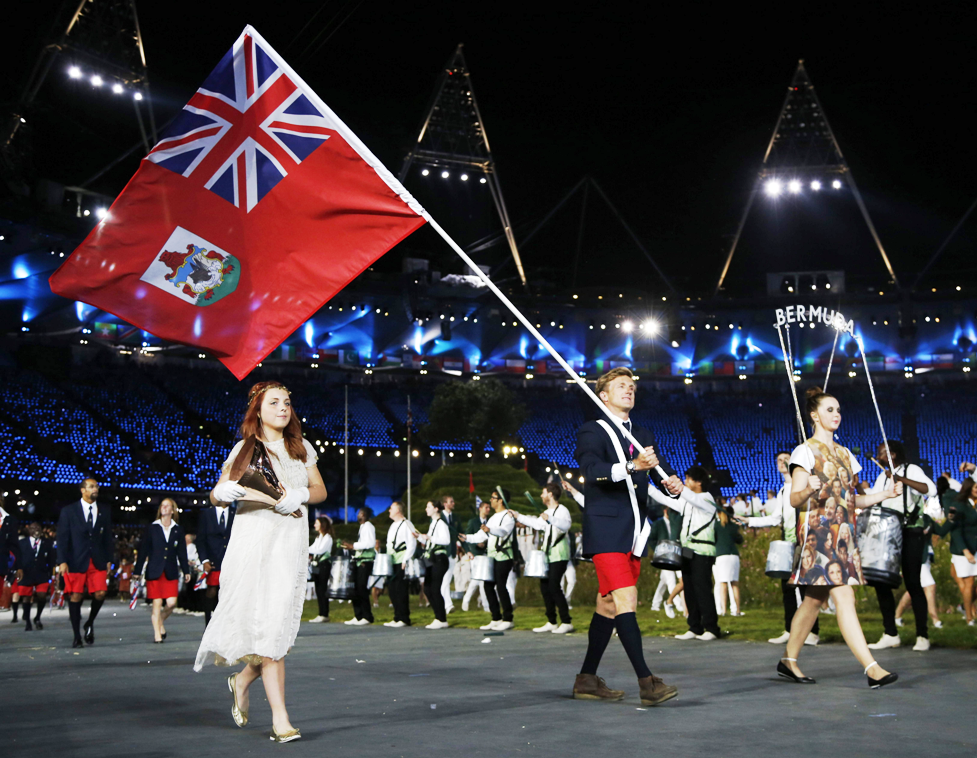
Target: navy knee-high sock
(630,635)
(74,613)
(601,629)
(93,612)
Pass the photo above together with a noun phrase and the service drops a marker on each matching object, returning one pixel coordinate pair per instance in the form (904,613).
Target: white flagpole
(346,456)
(582,383)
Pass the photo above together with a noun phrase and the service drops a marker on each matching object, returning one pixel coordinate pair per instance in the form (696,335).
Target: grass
(758,625)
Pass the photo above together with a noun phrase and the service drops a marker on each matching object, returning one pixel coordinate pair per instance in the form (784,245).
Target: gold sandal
(289,736)
(240,717)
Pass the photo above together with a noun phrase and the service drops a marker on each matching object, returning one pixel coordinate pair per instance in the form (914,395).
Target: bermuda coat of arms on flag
(257,206)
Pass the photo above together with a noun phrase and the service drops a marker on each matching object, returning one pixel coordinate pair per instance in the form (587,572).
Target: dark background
(670,109)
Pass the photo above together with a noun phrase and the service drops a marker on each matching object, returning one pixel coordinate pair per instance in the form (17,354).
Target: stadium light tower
(803,152)
(452,136)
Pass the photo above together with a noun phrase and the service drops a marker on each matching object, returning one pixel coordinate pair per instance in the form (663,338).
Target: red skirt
(214,578)
(27,591)
(162,588)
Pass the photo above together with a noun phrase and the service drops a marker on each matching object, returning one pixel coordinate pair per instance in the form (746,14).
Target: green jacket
(474,524)
(727,538)
(660,530)
(962,529)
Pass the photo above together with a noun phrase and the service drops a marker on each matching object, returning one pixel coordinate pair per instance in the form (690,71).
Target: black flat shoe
(77,642)
(163,635)
(158,642)
(786,673)
(89,633)
(876,683)
(28,628)
(38,624)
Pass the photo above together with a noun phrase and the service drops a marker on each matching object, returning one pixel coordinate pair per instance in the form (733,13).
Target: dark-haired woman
(263,574)
(436,542)
(163,546)
(698,510)
(961,525)
(320,557)
(812,466)
(727,568)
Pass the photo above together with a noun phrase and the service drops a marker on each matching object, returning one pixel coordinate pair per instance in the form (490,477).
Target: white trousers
(569,580)
(511,585)
(472,586)
(666,583)
(446,582)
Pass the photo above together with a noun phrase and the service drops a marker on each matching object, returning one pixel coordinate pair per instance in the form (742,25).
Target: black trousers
(913,545)
(552,591)
(790,606)
(322,588)
(697,576)
(433,578)
(362,605)
(497,592)
(399,587)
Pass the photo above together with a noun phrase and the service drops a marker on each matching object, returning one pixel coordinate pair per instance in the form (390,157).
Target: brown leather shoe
(654,691)
(592,687)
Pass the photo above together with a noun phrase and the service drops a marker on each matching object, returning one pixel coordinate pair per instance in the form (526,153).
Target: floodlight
(627,326)
(137,96)
(794,187)
(74,72)
(836,184)
(773,187)
(464,177)
(425,172)
(651,326)
(482,180)
(445,174)
(96,81)
(117,89)
(100,212)
(816,185)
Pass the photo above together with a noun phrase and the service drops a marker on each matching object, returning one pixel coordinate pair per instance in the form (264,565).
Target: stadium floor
(384,692)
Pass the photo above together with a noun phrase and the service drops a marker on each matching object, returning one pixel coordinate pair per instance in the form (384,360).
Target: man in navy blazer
(86,547)
(213,534)
(36,563)
(615,533)
(9,545)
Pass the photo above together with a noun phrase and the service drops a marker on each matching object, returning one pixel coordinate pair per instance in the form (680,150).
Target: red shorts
(616,571)
(214,579)
(95,580)
(28,590)
(162,588)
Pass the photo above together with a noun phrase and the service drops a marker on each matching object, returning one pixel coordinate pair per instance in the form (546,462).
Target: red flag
(471,483)
(256,207)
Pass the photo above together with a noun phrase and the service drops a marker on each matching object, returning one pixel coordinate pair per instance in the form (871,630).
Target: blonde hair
(611,375)
(176,511)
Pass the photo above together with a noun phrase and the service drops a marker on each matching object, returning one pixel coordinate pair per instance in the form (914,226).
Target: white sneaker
(738,613)
(563,629)
(504,626)
(922,645)
(898,622)
(706,637)
(970,623)
(318,620)
(670,610)
(656,607)
(362,622)
(812,639)
(464,607)
(781,640)
(437,625)
(569,606)
(938,624)
(547,627)
(887,640)
(449,609)
(689,635)
(352,622)
(490,626)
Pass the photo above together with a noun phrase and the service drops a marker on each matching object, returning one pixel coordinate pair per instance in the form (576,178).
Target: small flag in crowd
(134,600)
(256,207)
(201,583)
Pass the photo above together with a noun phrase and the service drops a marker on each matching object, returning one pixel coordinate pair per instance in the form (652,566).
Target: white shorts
(964,567)
(727,568)
(926,575)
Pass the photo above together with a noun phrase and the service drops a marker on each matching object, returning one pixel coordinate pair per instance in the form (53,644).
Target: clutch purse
(252,469)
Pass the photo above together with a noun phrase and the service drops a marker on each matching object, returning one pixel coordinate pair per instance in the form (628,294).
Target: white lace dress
(262,582)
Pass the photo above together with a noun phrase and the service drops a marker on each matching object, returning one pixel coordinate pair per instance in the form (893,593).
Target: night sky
(669,110)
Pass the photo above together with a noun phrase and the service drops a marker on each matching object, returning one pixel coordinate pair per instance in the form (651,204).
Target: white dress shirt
(321,545)
(913,473)
(557,523)
(402,530)
(366,538)
(438,533)
(91,509)
(500,525)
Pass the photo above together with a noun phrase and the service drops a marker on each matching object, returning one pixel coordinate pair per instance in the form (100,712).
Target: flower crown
(260,391)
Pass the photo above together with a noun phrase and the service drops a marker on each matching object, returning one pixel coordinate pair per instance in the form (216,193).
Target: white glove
(228,492)
(292,500)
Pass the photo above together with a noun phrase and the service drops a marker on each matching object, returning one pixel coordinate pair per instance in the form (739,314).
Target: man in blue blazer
(36,564)
(615,533)
(9,551)
(213,533)
(86,547)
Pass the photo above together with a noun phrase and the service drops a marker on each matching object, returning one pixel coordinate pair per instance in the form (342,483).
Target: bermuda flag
(256,207)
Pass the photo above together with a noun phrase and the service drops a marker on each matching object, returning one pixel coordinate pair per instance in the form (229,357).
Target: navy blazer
(608,519)
(38,566)
(211,541)
(9,545)
(161,554)
(76,545)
